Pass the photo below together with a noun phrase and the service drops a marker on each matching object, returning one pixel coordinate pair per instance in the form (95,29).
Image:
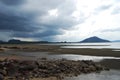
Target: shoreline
(56,49)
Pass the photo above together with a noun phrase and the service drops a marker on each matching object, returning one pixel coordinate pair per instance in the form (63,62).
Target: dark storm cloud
(11,19)
(15,23)
(12,2)
(28,20)
(36,34)
(62,22)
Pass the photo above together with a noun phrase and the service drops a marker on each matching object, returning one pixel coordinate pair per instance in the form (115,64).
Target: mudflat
(57,49)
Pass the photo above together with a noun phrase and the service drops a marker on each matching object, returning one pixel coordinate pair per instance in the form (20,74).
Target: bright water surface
(104,75)
(112,45)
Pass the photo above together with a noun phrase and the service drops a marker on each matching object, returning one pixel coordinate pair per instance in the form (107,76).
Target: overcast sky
(59,20)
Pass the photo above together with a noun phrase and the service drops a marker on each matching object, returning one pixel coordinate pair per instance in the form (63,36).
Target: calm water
(114,45)
(36,55)
(104,75)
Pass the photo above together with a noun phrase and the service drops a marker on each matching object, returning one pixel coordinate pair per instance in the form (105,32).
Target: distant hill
(94,39)
(17,41)
(1,41)
(14,41)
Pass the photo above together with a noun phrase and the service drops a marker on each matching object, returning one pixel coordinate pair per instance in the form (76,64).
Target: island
(94,39)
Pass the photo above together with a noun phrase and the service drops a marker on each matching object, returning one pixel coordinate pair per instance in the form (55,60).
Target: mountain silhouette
(14,41)
(94,39)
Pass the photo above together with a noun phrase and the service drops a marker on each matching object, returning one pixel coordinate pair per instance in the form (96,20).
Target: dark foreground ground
(11,69)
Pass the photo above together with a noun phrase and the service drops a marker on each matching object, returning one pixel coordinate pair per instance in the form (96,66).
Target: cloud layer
(57,19)
(32,19)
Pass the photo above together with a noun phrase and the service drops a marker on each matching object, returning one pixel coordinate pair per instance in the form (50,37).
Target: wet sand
(111,63)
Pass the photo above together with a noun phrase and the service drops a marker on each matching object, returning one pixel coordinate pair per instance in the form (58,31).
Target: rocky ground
(1,49)
(11,69)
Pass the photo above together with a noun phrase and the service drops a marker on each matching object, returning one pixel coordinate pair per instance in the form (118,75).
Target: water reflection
(104,75)
(49,55)
(83,57)
(93,45)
